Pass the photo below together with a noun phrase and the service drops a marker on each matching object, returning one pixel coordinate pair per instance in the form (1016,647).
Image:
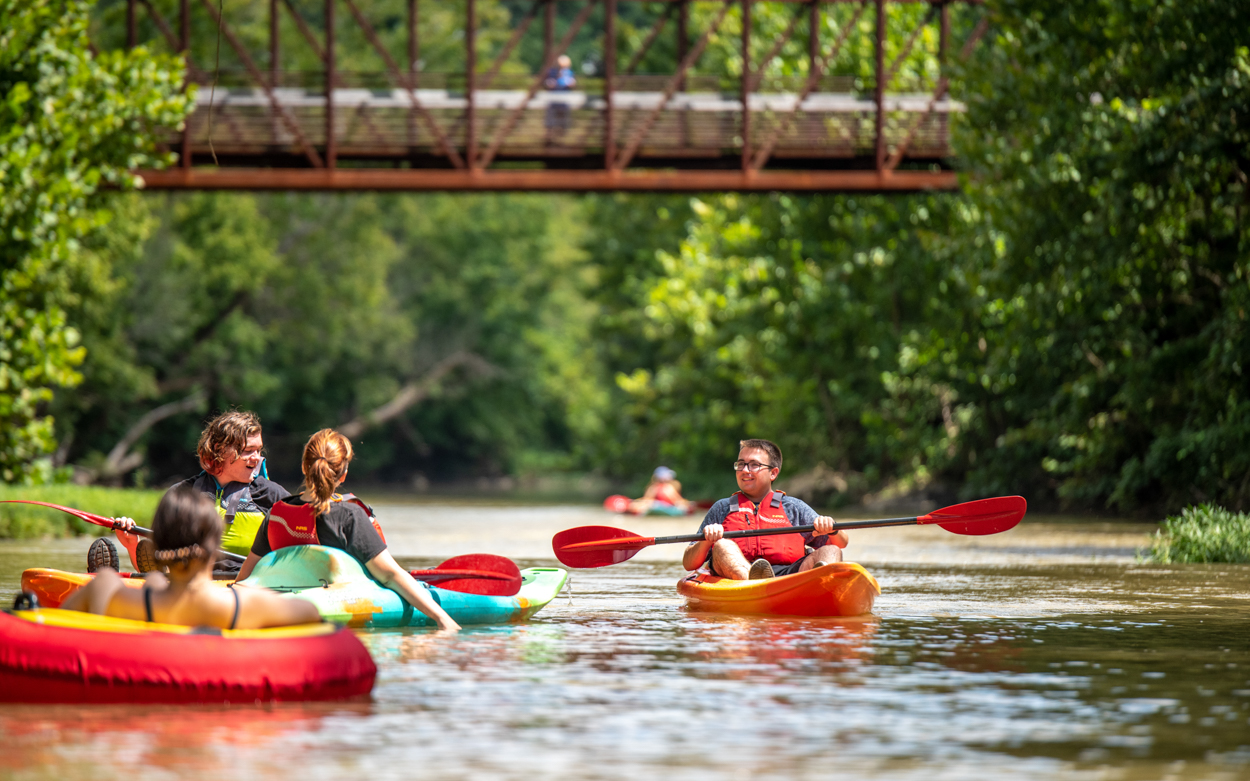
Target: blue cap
(663,473)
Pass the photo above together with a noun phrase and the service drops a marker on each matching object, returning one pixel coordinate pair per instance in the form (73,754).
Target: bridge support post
(184,48)
(746,86)
(880,92)
(609,81)
(470,59)
(331,147)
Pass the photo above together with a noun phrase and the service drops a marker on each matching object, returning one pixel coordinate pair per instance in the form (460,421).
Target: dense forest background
(1071,326)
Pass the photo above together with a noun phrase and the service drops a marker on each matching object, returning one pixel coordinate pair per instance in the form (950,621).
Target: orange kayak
(842,589)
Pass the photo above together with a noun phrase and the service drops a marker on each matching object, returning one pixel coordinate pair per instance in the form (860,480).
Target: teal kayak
(338,585)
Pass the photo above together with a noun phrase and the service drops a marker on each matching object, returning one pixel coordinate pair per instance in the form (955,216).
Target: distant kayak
(618,503)
(841,589)
(64,656)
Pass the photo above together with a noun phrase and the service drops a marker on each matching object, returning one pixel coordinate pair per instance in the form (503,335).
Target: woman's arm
(388,572)
(96,595)
(246,567)
(260,608)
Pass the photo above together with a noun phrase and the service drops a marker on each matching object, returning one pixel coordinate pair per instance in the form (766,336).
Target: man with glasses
(756,505)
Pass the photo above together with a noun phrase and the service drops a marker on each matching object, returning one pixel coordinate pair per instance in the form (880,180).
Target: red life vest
(774,548)
(296,524)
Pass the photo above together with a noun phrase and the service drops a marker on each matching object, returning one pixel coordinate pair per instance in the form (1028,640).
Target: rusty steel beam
(287,119)
(652,34)
(306,31)
(879,90)
(403,81)
(746,85)
(938,93)
(635,141)
(415,180)
(515,115)
(331,149)
(813,79)
(911,42)
(174,42)
(778,42)
(510,45)
(609,82)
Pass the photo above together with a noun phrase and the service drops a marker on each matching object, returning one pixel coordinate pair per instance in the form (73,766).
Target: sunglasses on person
(752,466)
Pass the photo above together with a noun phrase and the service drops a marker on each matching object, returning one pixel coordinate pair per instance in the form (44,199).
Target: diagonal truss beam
(813,79)
(168,34)
(911,42)
(406,82)
(652,34)
(753,82)
(631,148)
(940,92)
(286,118)
(306,31)
(510,45)
(515,115)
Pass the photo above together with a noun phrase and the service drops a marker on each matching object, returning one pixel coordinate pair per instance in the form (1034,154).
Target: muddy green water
(1045,652)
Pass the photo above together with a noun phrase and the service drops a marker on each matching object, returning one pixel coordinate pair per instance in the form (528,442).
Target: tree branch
(120,460)
(418,390)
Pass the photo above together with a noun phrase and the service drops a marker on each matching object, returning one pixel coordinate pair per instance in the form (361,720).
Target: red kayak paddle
(600,546)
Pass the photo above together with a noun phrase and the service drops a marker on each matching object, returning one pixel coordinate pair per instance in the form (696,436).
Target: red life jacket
(296,524)
(774,548)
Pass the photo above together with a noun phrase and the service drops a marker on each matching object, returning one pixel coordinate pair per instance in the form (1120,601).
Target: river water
(1044,652)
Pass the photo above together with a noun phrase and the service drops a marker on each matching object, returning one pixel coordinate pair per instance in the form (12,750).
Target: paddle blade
(475,573)
(984,516)
(98,520)
(587,547)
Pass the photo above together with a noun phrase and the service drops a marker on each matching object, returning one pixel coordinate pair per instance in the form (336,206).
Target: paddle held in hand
(600,546)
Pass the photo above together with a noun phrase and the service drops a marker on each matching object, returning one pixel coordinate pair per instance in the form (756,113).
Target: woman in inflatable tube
(319,516)
(186,531)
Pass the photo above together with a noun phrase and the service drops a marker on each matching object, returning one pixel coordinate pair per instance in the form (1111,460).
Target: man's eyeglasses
(752,467)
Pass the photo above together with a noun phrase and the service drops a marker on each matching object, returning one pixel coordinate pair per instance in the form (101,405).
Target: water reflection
(996,664)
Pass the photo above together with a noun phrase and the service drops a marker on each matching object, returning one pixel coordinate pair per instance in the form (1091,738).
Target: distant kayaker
(663,495)
(320,516)
(755,506)
(231,453)
(187,533)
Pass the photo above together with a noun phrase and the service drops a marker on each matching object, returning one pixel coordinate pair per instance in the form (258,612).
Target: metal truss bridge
(260,126)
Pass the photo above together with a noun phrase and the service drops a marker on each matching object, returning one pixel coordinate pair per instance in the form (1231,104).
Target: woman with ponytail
(321,516)
(186,532)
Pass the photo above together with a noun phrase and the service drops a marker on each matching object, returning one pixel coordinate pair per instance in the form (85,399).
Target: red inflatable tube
(80,658)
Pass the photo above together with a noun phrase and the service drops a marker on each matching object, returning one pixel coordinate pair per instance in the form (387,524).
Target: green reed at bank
(1203,534)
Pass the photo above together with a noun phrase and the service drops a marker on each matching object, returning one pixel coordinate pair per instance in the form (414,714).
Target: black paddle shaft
(793,530)
(142,532)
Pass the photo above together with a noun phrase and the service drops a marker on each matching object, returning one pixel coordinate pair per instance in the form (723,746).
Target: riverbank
(27,521)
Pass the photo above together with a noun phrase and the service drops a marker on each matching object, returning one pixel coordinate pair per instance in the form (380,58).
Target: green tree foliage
(70,123)
(1102,262)
(315,310)
(775,317)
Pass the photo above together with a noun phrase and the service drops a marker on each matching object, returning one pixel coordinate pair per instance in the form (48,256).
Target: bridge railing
(819,124)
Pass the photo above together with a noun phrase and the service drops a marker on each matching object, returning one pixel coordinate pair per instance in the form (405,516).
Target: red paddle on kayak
(600,546)
(475,573)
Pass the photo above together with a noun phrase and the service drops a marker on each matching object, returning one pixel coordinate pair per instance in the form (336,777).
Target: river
(1045,652)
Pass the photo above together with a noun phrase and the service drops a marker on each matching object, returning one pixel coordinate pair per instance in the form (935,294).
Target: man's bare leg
(729,561)
(828,554)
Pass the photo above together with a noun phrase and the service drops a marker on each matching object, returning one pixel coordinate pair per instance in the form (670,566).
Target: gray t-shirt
(797,512)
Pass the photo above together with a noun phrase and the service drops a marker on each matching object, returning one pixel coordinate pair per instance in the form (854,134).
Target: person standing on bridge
(560,78)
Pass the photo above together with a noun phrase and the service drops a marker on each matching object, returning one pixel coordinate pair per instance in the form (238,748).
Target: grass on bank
(24,521)
(1205,534)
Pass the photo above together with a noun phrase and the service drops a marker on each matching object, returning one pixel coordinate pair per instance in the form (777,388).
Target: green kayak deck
(344,592)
